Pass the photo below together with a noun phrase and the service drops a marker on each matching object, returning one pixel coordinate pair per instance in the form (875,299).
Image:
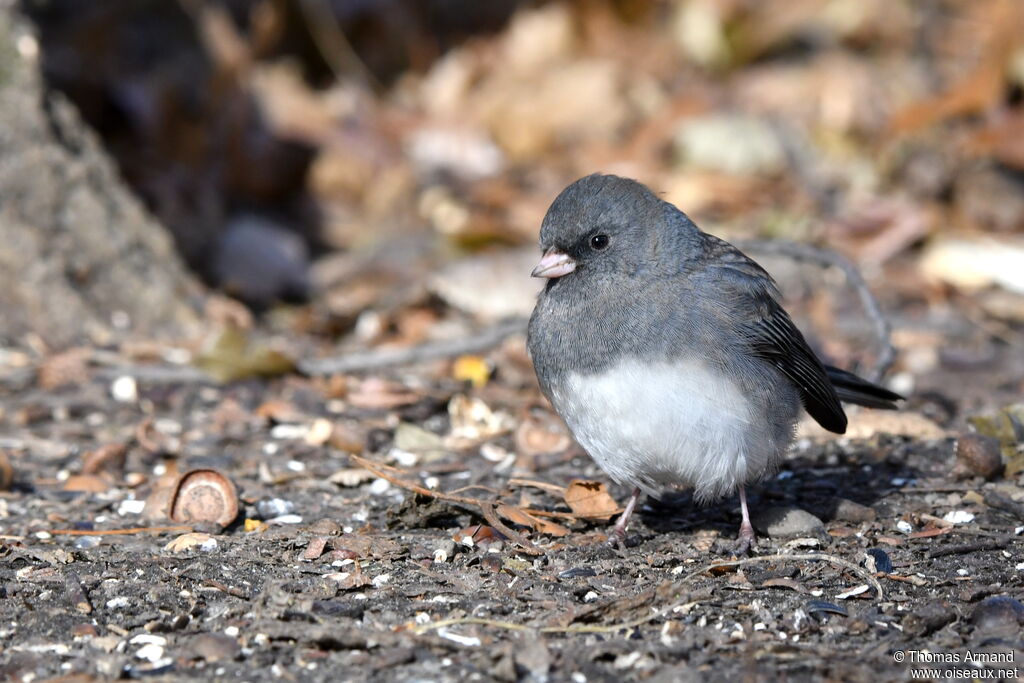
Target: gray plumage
(666,350)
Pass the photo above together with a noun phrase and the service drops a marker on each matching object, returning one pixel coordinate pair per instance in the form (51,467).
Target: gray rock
(849,511)
(742,145)
(998,616)
(787,522)
(80,258)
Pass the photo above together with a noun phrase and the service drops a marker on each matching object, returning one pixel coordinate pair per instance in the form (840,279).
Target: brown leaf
(231,355)
(365,546)
(983,88)
(783,582)
(928,533)
(540,434)
(315,548)
(91,483)
(64,369)
(279,410)
(109,458)
(521,516)
(349,580)
(477,535)
(590,499)
(377,394)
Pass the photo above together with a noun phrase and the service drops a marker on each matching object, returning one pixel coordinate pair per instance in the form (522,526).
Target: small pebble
(124,389)
(997,616)
(785,522)
(285,519)
(959,517)
(85,542)
(131,507)
(977,455)
(576,572)
(880,559)
(325,527)
(118,602)
(274,507)
(816,608)
(849,511)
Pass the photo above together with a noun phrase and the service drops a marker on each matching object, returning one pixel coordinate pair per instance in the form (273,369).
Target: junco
(666,351)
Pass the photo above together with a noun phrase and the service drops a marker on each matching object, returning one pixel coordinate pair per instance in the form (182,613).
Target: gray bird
(666,351)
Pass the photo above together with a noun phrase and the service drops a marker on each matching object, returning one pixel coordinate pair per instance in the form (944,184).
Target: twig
(382,358)
(156,374)
(379,470)
(827,257)
(332,44)
(76,594)
(230,590)
(119,532)
(633,623)
(487,508)
(542,485)
(964,548)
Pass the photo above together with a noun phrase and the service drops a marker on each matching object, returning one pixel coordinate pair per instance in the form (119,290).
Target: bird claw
(746,541)
(617,538)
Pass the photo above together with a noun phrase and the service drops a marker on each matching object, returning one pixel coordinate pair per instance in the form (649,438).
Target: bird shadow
(819,479)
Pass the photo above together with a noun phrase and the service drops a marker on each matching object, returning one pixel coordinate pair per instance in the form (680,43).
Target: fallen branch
(827,257)
(119,532)
(964,548)
(640,621)
(487,507)
(382,358)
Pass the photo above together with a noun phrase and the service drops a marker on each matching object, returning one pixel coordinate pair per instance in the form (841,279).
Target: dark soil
(253,608)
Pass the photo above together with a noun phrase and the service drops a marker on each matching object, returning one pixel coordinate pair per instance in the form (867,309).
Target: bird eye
(599,242)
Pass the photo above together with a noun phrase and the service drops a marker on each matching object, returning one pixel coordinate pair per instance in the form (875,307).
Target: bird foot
(617,538)
(746,541)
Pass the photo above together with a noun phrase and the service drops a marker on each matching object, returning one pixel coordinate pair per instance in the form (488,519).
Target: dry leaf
(90,483)
(521,516)
(474,421)
(229,356)
(278,410)
(783,582)
(349,580)
(928,533)
(109,459)
(377,394)
(473,369)
(350,477)
(540,434)
(64,369)
(191,541)
(590,499)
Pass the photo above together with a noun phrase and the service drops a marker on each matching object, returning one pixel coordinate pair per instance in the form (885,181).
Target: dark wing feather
(772,336)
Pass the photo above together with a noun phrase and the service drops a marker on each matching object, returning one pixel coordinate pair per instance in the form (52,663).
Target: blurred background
(384,165)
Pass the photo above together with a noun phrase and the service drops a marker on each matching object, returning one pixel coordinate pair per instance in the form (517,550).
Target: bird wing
(769,333)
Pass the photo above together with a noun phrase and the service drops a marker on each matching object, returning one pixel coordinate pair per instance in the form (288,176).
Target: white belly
(657,425)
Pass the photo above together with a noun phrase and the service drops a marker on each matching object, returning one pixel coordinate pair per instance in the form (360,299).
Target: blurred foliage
(446,125)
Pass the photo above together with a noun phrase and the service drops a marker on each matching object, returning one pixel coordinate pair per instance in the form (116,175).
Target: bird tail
(853,389)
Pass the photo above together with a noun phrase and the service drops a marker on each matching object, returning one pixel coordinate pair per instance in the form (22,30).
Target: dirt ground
(338,574)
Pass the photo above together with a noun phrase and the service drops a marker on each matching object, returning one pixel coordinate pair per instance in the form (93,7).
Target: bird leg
(618,535)
(746,539)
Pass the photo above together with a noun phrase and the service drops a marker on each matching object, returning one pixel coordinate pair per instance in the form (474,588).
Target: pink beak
(554,264)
